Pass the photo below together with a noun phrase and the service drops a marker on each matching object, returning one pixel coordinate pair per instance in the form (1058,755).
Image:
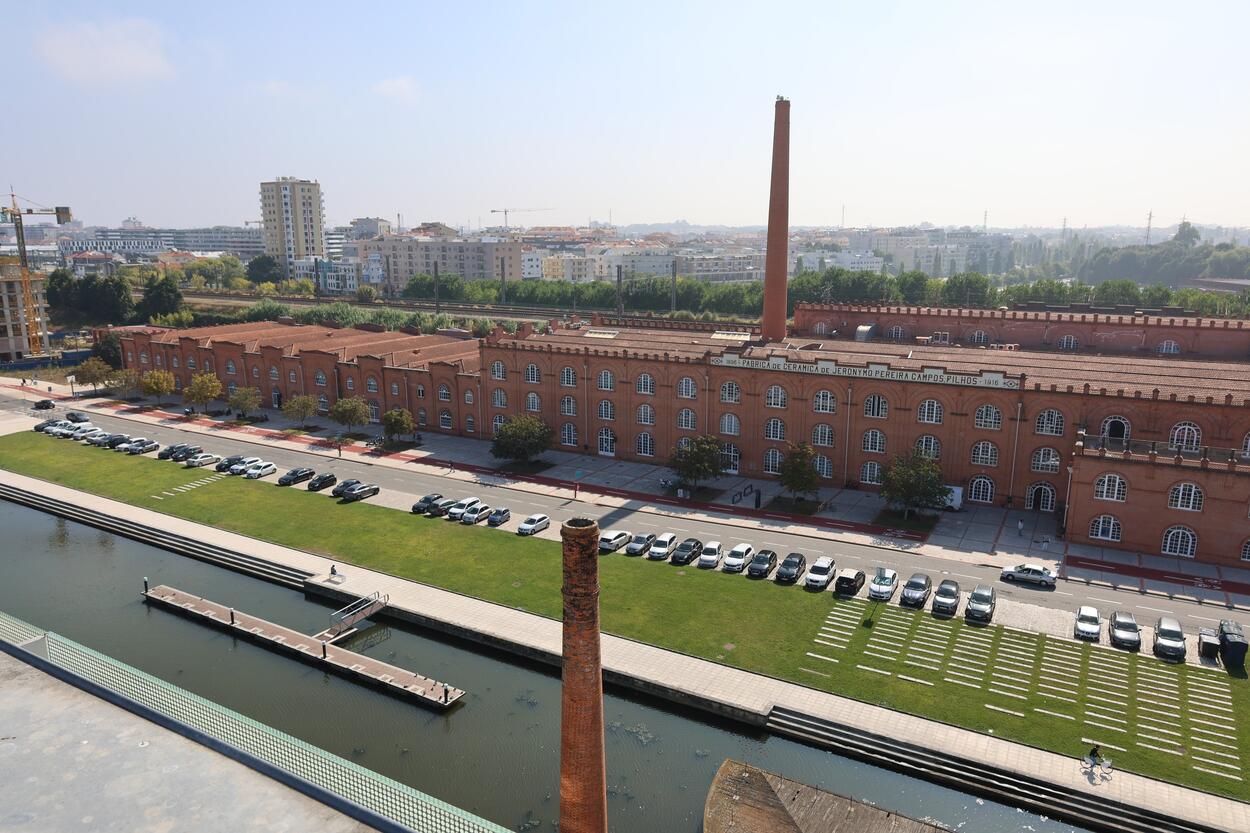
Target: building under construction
(17,330)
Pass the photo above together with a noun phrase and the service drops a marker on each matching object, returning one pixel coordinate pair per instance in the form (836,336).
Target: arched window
(930,412)
(290,376)
(498,371)
(686,419)
(821,328)
(1111,486)
(568,377)
(984,453)
(371,384)
(444,393)
(606,380)
(1068,342)
(230,367)
(607,442)
(1245,550)
(1185,436)
(499,398)
(730,425)
(1187,496)
(644,446)
(350,384)
(497,421)
(1105,528)
(1116,428)
(470,424)
(375,411)
(774,429)
(989,418)
(822,465)
(731,393)
(275,397)
(645,384)
(772,461)
(159,360)
(1049,423)
(776,397)
(686,388)
(981,489)
(607,410)
(174,361)
(646,414)
(870,473)
(532,403)
(255,372)
(1168,347)
(231,388)
(568,406)
(876,406)
(323,403)
(1180,541)
(929,446)
(444,420)
(273,373)
(143,356)
(731,458)
(1045,461)
(420,391)
(874,441)
(468,396)
(822,434)
(532,374)
(895,333)
(824,402)
(319,378)
(191,363)
(1040,496)
(979,337)
(421,419)
(568,434)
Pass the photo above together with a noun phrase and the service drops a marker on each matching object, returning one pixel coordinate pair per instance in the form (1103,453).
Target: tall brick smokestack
(776,261)
(583,774)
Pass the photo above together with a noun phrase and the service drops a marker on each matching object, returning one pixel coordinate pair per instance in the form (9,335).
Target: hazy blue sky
(905,112)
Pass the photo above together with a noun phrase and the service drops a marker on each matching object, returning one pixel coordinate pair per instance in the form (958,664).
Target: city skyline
(903,116)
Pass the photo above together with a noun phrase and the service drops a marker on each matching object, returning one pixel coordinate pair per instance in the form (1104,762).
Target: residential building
(334,277)
(335,239)
(94,263)
(15,327)
(293,212)
(532,263)
(820,260)
(603,262)
(568,266)
(401,256)
(242,242)
(721,267)
(363,228)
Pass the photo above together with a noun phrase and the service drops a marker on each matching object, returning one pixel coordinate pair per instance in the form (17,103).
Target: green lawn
(771,629)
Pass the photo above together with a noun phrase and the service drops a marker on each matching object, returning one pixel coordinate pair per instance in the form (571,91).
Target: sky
(641,111)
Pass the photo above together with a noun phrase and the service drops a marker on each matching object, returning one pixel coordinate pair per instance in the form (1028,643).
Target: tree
(245,400)
(1186,234)
(697,461)
(912,481)
(158,383)
(397,421)
(366,294)
(967,290)
(203,388)
(95,372)
(521,438)
(128,381)
(108,348)
(1117,292)
(61,290)
(797,474)
(161,296)
(264,269)
(105,298)
(350,412)
(299,409)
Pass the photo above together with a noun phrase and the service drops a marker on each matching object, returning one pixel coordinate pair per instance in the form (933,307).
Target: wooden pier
(390,678)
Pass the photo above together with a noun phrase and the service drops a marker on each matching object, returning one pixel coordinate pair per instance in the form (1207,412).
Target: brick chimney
(776,260)
(583,775)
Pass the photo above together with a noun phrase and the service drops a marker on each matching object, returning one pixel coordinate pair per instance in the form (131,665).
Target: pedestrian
(333,570)
(1020,528)
(444,692)
(1045,543)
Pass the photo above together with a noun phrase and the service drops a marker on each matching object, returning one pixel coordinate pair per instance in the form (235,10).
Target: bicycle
(1103,765)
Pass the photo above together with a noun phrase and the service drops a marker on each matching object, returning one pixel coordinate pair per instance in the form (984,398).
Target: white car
(1034,573)
(533,524)
(736,559)
(202,459)
(457,510)
(260,469)
(243,465)
(83,431)
(663,547)
(613,540)
(884,583)
(1088,625)
(130,443)
(474,514)
(89,435)
(712,554)
(820,574)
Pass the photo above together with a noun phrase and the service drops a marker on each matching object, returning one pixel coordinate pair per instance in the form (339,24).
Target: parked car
(640,543)
(1123,630)
(849,582)
(103,438)
(201,459)
(884,583)
(243,465)
(227,462)
(44,405)
(710,558)
(474,514)
(321,481)
(499,517)
(423,505)
(186,453)
(533,524)
(296,475)
(821,574)
(1169,639)
(792,567)
(40,427)
(687,551)
(142,445)
(170,450)
(916,591)
(946,598)
(762,564)
(84,431)
(663,547)
(78,416)
(1088,624)
(120,439)
(442,507)
(736,559)
(1029,573)
(89,434)
(456,512)
(981,603)
(343,486)
(613,540)
(361,491)
(62,428)
(262,469)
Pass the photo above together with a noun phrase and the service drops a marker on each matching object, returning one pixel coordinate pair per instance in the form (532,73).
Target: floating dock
(314,650)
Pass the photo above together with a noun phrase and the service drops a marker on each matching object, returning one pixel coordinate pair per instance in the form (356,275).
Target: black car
(762,563)
(791,568)
(687,551)
(170,450)
(185,453)
(115,440)
(440,507)
(849,582)
(296,475)
(320,482)
(423,505)
(342,488)
(360,491)
(224,465)
(77,416)
(43,426)
(45,405)
(916,590)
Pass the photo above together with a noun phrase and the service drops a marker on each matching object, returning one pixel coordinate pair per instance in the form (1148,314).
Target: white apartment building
(603,262)
(329,276)
(819,261)
(721,267)
(532,264)
(568,266)
(293,212)
(402,256)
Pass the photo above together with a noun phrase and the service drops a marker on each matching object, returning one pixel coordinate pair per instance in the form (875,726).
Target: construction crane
(506,211)
(34,341)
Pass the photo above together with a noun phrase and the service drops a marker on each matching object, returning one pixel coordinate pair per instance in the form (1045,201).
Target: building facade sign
(933,376)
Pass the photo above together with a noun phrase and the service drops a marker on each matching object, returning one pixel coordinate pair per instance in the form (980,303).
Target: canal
(497,755)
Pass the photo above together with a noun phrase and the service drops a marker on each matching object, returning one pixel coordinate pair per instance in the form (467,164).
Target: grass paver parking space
(1044,691)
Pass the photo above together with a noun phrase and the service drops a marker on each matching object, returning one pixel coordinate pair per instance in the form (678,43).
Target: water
(497,755)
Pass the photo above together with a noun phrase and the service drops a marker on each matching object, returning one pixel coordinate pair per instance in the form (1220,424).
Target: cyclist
(1095,755)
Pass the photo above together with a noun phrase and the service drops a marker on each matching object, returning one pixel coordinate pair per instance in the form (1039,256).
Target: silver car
(1169,639)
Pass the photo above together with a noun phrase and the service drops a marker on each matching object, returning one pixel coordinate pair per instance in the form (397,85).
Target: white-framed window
(323,403)
(821,328)
(1040,496)
(568,434)
(1168,347)
(1049,423)
(1068,342)
(730,425)
(290,376)
(870,473)
(644,445)
(774,429)
(174,360)
(1180,541)
(497,371)
(686,419)
(1245,446)
(420,391)
(981,489)
(930,412)
(686,388)
(1111,486)
(468,396)
(1045,460)
(273,373)
(822,434)
(230,368)
(731,393)
(929,446)
(1245,550)
(645,414)
(873,442)
(568,377)
(607,381)
(607,410)
(645,384)
(988,417)
(319,379)
(776,397)
(371,384)
(231,388)
(1105,528)
(177,383)
(607,442)
(532,374)
(444,420)
(772,461)
(1116,428)
(730,457)
(685,442)
(444,393)
(824,402)
(143,357)
(1185,436)
(255,372)
(533,403)
(979,337)
(876,406)
(497,421)
(375,411)
(470,424)
(421,418)
(984,453)
(350,384)
(895,333)
(1186,496)
(822,465)
(568,406)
